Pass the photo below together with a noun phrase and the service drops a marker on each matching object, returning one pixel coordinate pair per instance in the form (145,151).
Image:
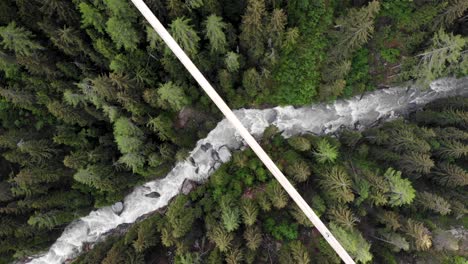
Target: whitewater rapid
(215,149)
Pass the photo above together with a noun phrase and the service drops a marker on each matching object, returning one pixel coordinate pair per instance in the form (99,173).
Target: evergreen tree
(397,241)
(433,202)
(445,50)
(357,27)
(390,219)
(122,33)
(277,194)
(185,35)
(420,235)
(299,170)
(232,61)
(19,40)
(451,175)
(299,143)
(221,238)
(172,96)
(253,28)
(325,152)
(214,33)
(343,216)
(337,184)
(401,191)
(353,242)
(253,237)
(90,16)
(454,10)
(249,212)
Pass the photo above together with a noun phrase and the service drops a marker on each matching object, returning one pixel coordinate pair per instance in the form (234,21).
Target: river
(210,152)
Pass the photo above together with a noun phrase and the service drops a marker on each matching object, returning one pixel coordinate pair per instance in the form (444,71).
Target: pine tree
(230,218)
(277,27)
(249,212)
(454,10)
(172,96)
(180,217)
(401,191)
(343,216)
(299,170)
(252,82)
(325,152)
(299,143)
(353,242)
(277,195)
(337,184)
(39,150)
(390,219)
(450,175)
(357,27)
(445,50)
(416,163)
(253,237)
(146,237)
(421,237)
(123,33)
(350,138)
(18,39)
(331,90)
(90,16)
(252,28)
(299,253)
(221,238)
(453,149)
(232,61)
(234,256)
(397,241)
(433,202)
(185,35)
(214,27)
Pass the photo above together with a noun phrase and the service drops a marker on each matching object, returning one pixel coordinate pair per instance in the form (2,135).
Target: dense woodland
(387,194)
(93,103)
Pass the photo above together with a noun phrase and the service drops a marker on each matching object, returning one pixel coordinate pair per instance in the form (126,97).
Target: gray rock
(153,195)
(206,146)
(224,154)
(117,208)
(187,186)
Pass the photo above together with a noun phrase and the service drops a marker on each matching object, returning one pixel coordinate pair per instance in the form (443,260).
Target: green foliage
(185,35)
(122,33)
(325,152)
(214,33)
(18,39)
(357,26)
(353,242)
(401,191)
(445,50)
(282,230)
(172,97)
(90,16)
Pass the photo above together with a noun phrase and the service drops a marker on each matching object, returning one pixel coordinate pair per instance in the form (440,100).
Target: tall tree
(18,39)
(356,27)
(445,50)
(214,31)
(185,35)
(172,96)
(253,29)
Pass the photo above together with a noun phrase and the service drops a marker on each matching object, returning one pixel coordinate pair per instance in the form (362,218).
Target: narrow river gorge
(215,149)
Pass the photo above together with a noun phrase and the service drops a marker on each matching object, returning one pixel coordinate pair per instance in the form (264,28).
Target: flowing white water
(215,149)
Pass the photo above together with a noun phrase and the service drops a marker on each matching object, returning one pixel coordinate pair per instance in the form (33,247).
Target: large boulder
(117,208)
(187,186)
(153,195)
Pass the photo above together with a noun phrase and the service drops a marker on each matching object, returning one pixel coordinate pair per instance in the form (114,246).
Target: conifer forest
(93,103)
